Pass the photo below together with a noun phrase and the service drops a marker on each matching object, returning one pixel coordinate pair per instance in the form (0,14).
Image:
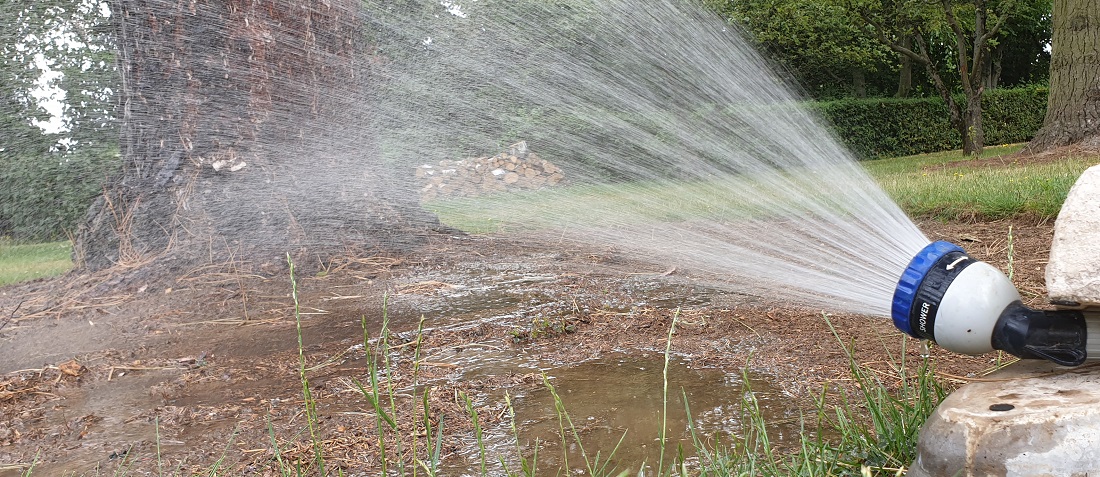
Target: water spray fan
(970,307)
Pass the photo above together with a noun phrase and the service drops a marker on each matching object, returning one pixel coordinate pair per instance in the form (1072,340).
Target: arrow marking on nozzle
(956,262)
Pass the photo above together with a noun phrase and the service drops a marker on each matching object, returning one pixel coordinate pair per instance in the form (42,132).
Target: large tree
(1073,111)
(55,53)
(970,27)
(22,143)
(816,41)
(246,129)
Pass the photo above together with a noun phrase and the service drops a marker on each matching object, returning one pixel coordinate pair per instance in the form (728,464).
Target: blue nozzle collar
(911,280)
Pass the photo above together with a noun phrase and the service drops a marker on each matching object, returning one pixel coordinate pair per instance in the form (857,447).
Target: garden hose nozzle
(970,307)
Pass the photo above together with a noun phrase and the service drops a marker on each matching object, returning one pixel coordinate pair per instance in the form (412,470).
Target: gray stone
(1033,418)
(1073,272)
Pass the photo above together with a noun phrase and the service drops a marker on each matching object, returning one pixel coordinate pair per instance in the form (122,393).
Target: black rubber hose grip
(1057,336)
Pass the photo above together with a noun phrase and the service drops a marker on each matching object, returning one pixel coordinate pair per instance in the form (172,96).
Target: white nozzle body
(970,308)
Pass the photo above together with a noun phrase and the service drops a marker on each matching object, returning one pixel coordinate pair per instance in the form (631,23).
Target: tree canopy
(818,43)
(55,54)
(827,45)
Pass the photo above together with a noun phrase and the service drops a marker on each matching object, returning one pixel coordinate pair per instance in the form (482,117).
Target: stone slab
(1033,418)
(1073,272)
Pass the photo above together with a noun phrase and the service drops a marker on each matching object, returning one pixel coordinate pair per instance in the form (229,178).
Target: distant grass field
(948,186)
(945,185)
(24,262)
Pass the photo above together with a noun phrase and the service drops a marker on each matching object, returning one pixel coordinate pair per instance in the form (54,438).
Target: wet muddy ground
(203,370)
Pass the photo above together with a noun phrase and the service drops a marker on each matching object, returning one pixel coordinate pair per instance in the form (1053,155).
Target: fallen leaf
(71,368)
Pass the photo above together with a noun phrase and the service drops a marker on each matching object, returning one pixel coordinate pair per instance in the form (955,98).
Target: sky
(49,96)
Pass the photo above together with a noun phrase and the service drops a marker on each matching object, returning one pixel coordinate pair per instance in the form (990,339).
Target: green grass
(600,203)
(24,262)
(906,164)
(944,186)
(872,432)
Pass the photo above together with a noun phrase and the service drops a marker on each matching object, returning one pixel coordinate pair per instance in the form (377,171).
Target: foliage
(19,71)
(885,127)
(45,196)
(1021,53)
(52,163)
(819,43)
(824,44)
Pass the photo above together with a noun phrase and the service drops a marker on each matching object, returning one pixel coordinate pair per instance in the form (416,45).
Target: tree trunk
(972,55)
(245,131)
(1073,108)
(974,135)
(992,78)
(905,74)
(859,83)
(958,118)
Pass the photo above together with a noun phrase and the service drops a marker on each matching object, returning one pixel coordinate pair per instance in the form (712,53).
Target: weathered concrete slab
(1033,418)
(1073,273)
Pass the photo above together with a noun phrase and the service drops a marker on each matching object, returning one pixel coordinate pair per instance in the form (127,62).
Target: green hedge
(890,127)
(45,196)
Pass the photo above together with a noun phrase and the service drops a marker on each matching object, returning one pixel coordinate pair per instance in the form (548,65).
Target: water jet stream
(679,143)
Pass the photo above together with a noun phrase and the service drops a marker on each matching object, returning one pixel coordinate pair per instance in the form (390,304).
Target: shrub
(888,127)
(44,196)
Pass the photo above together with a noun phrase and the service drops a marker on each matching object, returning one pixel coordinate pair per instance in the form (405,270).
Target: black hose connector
(1057,336)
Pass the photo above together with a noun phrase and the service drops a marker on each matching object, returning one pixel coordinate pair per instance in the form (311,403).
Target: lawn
(945,185)
(22,262)
(948,186)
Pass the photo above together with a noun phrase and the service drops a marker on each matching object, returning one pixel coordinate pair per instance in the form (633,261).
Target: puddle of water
(516,297)
(477,295)
(622,398)
(107,416)
(607,399)
(484,361)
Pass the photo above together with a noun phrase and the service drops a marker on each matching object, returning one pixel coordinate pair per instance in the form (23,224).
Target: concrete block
(1073,272)
(1033,418)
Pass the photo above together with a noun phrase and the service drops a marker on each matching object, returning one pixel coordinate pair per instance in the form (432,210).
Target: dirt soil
(204,368)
